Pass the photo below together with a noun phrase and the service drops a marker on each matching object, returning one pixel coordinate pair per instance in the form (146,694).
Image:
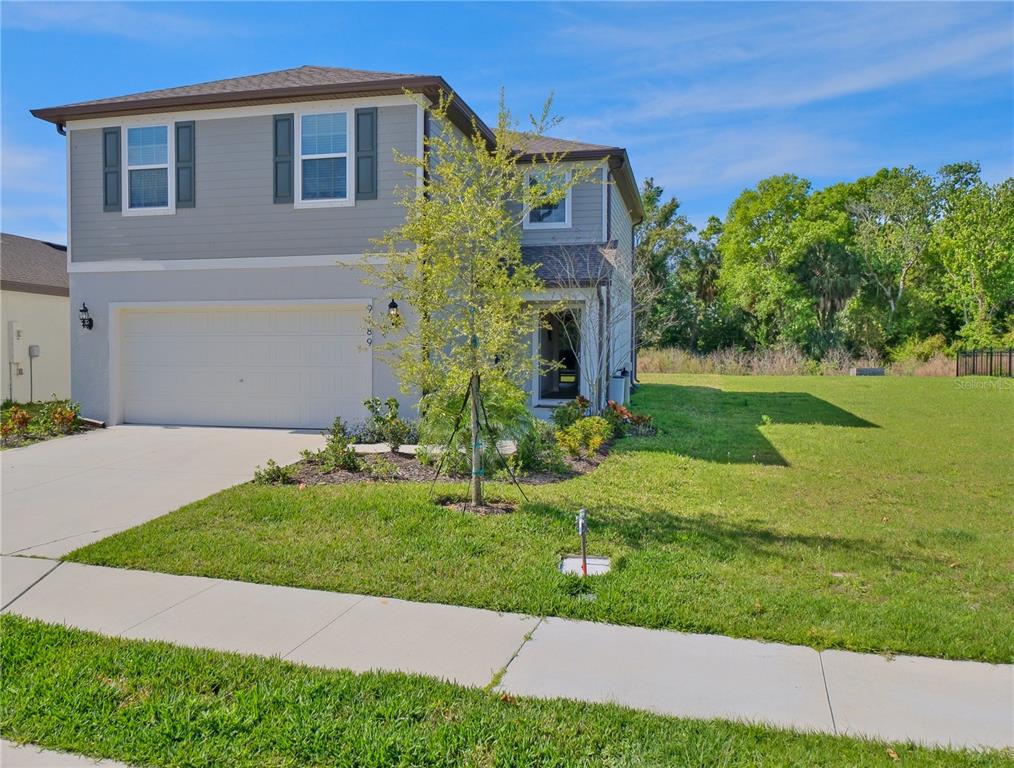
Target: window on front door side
(148,167)
(323,150)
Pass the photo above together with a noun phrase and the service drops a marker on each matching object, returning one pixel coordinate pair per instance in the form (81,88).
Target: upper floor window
(556,216)
(324,158)
(148,167)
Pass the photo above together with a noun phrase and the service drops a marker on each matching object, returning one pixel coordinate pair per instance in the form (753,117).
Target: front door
(560,353)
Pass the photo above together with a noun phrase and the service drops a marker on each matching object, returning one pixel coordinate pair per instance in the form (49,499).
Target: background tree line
(886,264)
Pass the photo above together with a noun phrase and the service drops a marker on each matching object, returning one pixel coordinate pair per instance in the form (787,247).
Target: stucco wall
(45,320)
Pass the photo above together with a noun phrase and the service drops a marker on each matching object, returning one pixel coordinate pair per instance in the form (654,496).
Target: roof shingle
(297,77)
(33,266)
(571,265)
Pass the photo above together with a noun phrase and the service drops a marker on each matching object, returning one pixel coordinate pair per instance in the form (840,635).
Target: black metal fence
(985,362)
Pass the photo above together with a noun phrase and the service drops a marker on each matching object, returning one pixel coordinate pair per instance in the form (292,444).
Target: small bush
(585,436)
(273,474)
(565,415)
(338,453)
(382,468)
(17,422)
(385,426)
(618,417)
(537,450)
(64,417)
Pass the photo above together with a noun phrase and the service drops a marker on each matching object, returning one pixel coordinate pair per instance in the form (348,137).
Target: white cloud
(130,20)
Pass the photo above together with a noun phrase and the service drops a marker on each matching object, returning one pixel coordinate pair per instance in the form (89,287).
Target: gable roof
(312,83)
(306,83)
(33,266)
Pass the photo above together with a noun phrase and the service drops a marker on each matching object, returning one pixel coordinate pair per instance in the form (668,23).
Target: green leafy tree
(827,265)
(455,263)
(975,245)
(660,242)
(760,260)
(893,217)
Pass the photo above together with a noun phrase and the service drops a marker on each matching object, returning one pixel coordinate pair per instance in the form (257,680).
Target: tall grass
(786,361)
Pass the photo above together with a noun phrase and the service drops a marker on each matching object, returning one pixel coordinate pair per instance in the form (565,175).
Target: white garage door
(271,366)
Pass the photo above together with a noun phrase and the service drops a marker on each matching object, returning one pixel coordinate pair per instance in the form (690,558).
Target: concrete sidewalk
(928,701)
(30,756)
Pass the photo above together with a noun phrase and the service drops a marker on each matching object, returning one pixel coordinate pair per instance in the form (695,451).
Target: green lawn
(866,513)
(159,705)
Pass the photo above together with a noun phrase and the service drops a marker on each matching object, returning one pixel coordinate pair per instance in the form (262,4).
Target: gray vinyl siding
(620,222)
(235,216)
(621,352)
(585,219)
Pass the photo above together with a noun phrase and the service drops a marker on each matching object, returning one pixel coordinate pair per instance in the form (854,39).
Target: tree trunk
(473,387)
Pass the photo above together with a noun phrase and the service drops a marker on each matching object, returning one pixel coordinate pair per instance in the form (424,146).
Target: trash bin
(619,387)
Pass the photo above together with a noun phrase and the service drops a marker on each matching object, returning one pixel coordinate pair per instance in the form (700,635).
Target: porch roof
(571,265)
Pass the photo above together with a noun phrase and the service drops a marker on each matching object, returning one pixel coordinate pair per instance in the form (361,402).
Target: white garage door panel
(266,366)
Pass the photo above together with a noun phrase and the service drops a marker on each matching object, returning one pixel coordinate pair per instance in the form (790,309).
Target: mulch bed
(409,469)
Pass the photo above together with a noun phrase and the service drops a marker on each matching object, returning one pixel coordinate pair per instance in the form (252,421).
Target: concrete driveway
(62,494)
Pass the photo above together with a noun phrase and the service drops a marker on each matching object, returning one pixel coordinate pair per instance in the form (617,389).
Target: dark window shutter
(111,169)
(284,148)
(366,154)
(186,186)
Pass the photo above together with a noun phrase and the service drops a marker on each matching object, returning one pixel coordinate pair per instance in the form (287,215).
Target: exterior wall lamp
(86,319)
(392,310)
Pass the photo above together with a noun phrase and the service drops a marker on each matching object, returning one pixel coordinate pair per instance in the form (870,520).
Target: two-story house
(214,232)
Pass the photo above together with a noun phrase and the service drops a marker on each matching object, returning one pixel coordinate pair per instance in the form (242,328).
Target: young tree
(456,263)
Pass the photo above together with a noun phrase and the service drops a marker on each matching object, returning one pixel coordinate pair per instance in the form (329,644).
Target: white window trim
(349,154)
(565,224)
(170,132)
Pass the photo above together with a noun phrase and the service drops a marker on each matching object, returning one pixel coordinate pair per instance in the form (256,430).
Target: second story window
(148,167)
(555,216)
(324,159)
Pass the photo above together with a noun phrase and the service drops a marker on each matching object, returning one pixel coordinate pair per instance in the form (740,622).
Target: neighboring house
(36,319)
(215,231)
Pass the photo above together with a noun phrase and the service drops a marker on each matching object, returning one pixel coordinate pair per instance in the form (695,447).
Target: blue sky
(708,98)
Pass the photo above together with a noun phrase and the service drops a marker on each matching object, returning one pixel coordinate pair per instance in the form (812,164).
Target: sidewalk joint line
(499,675)
(301,643)
(827,693)
(9,603)
(216,583)
(62,538)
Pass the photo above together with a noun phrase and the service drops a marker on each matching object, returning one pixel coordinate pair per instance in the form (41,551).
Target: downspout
(633,314)
(61,128)
(602,379)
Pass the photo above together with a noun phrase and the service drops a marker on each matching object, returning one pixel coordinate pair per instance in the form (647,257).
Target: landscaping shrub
(338,453)
(585,436)
(506,406)
(58,418)
(537,450)
(565,415)
(385,426)
(618,417)
(273,474)
(17,422)
(382,468)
